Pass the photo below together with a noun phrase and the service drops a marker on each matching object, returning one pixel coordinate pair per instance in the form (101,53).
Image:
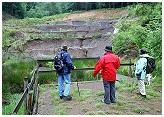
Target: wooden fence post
(29,103)
(35,107)
(25,100)
(36,92)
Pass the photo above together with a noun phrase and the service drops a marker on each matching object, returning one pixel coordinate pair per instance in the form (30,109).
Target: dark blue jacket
(67,62)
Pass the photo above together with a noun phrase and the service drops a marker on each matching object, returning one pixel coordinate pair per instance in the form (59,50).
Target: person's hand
(74,67)
(100,72)
(94,75)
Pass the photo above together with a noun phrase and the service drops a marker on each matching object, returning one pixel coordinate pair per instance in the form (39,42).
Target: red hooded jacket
(108,63)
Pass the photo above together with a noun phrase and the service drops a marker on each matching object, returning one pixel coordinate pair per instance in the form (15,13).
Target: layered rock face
(83,38)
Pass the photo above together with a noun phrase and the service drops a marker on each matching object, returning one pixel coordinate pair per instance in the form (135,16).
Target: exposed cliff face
(41,48)
(88,38)
(85,33)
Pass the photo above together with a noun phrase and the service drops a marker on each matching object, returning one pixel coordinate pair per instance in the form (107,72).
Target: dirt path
(89,101)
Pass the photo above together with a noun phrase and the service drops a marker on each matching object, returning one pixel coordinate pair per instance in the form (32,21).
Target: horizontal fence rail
(80,69)
(52,60)
(77,69)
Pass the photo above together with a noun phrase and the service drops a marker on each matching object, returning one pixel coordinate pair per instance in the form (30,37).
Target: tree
(100,5)
(17,9)
(31,5)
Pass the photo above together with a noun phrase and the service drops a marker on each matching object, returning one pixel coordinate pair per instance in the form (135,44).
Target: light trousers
(141,86)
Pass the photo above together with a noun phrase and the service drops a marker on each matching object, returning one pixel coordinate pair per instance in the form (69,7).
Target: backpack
(58,61)
(150,65)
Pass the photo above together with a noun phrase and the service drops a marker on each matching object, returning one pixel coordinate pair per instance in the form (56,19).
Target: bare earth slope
(82,32)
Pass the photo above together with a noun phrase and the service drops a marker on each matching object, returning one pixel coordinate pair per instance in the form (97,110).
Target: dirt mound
(106,14)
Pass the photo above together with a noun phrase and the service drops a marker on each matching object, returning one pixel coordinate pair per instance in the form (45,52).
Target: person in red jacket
(108,64)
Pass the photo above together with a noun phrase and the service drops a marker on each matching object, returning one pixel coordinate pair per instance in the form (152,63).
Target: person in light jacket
(108,64)
(140,71)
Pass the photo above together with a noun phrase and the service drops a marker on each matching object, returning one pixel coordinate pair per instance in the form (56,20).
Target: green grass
(99,105)
(13,75)
(50,36)
(84,94)
(35,21)
(47,78)
(96,113)
(13,100)
(85,110)
(138,110)
(42,88)
(55,17)
(100,93)
(60,110)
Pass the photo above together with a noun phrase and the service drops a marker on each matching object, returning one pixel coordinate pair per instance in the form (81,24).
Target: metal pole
(77,83)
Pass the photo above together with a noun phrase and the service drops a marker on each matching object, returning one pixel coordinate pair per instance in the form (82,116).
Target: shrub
(144,31)
(13,75)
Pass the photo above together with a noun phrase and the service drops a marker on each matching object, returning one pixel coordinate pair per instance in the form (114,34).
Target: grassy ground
(89,101)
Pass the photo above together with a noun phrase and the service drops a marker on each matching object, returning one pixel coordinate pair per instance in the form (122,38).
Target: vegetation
(142,28)
(143,31)
(13,76)
(13,100)
(41,9)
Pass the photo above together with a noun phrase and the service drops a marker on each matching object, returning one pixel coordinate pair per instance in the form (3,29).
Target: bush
(13,76)
(145,31)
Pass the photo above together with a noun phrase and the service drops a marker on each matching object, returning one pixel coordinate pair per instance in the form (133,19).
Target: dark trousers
(110,90)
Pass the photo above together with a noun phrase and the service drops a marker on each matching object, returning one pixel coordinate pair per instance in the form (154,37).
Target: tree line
(41,9)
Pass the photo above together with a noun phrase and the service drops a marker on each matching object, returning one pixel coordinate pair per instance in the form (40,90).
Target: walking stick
(77,84)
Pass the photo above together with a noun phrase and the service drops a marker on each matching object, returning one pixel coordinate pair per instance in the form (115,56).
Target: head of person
(142,51)
(108,49)
(64,48)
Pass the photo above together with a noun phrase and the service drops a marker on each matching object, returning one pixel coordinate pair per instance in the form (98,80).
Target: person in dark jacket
(64,75)
(108,64)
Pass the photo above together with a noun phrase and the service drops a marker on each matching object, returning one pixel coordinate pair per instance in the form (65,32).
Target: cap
(108,48)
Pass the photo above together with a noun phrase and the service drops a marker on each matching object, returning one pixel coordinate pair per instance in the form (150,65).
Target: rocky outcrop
(88,38)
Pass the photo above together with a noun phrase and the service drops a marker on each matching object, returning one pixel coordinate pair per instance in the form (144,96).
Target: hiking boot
(61,97)
(113,101)
(141,95)
(103,101)
(67,98)
(138,93)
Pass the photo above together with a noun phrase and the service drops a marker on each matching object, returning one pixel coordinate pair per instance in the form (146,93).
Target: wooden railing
(130,64)
(31,99)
